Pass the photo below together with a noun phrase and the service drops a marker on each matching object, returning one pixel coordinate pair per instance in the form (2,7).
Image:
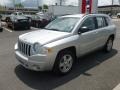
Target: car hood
(43,36)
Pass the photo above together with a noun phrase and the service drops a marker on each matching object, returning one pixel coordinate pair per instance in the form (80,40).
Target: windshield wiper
(52,29)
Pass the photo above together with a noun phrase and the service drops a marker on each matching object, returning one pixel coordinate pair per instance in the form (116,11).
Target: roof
(82,15)
(109,6)
(74,15)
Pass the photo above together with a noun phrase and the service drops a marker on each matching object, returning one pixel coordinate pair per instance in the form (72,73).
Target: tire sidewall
(106,46)
(59,57)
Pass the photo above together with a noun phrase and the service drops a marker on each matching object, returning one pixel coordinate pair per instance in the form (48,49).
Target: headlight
(38,49)
(16,46)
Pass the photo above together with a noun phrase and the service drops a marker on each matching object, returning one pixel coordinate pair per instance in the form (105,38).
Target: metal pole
(14,4)
(60,2)
(112,7)
(38,3)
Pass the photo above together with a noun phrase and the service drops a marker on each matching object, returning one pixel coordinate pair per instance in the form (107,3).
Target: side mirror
(83,29)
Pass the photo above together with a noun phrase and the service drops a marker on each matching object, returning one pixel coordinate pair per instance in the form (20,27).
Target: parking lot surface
(96,71)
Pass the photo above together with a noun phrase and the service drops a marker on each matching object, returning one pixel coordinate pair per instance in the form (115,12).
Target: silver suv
(63,40)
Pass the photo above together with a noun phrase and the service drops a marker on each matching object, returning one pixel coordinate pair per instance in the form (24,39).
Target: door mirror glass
(88,25)
(83,30)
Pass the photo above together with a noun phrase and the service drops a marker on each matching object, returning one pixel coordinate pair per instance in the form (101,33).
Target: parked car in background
(118,15)
(3,19)
(39,21)
(57,46)
(17,13)
(29,18)
(17,22)
(1,29)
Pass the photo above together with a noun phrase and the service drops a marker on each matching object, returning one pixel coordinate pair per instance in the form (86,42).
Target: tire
(109,45)
(28,27)
(1,29)
(64,62)
(118,16)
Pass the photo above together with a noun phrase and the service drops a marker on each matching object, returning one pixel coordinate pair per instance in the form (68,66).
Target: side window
(89,23)
(101,22)
(107,21)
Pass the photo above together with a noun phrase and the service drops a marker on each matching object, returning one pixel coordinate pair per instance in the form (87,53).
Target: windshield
(64,24)
(20,14)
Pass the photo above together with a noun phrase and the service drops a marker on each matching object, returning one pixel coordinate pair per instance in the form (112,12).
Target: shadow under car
(48,81)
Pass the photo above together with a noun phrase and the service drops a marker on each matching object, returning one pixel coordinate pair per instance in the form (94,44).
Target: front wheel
(64,62)
(109,45)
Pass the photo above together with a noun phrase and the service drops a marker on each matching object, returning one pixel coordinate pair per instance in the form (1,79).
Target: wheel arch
(112,36)
(71,48)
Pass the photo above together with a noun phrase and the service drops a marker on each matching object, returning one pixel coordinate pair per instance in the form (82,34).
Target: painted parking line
(117,87)
(9,30)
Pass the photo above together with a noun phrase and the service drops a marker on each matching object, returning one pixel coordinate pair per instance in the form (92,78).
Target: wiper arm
(52,29)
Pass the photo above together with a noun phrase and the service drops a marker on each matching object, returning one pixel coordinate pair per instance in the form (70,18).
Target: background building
(9,10)
(113,9)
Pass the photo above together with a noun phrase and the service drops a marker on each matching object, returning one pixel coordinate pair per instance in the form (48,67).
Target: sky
(34,3)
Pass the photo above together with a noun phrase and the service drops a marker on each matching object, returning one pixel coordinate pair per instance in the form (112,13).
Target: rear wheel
(64,62)
(109,45)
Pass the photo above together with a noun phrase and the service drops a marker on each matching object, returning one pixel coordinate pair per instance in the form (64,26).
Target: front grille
(24,48)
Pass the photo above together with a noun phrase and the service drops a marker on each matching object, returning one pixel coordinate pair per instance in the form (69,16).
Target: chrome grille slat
(24,48)
(29,50)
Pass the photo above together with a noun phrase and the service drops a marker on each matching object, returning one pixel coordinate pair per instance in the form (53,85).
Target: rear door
(102,27)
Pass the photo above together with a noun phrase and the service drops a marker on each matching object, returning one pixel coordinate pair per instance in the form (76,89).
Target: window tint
(104,22)
(107,21)
(101,21)
(89,23)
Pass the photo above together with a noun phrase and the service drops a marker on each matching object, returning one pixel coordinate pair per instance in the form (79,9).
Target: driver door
(88,37)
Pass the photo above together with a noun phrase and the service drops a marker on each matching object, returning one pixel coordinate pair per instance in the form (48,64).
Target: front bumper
(21,24)
(36,63)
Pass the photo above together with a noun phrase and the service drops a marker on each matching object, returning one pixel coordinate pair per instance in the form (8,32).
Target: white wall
(62,10)
(95,6)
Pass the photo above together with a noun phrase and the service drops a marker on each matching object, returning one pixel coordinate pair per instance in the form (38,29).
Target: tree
(45,6)
(40,8)
(19,5)
(61,2)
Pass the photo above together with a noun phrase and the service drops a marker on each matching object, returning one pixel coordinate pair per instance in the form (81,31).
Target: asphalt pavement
(96,71)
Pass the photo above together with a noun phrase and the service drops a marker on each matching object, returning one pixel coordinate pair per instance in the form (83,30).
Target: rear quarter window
(108,21)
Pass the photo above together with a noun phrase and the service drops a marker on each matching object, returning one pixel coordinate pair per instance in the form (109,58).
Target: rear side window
(101,22)
(107,21)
